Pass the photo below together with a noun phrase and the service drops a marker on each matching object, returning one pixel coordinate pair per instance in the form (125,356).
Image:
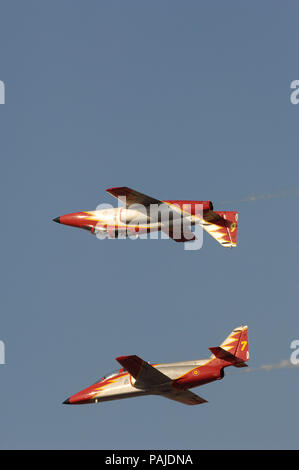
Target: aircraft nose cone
(66,402)
(57,219)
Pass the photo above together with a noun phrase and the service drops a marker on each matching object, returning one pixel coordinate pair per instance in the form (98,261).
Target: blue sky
(180,100)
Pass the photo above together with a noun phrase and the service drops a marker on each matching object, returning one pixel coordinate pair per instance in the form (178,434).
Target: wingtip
(115,188)
(121,358)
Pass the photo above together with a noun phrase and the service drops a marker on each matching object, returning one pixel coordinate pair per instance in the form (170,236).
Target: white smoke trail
(283,364)
(266,196)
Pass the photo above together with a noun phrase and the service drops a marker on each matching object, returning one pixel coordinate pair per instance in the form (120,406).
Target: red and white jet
(143,214)
(173,381)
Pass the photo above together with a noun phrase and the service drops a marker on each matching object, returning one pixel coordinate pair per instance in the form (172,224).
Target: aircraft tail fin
(223,226)
(231,221)
(234,348)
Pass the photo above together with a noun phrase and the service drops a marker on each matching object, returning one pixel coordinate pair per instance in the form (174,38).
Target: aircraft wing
(146,376)
(185,236)
(184,396)
(132,196)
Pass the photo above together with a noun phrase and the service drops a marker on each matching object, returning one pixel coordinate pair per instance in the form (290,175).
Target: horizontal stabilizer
(227,356)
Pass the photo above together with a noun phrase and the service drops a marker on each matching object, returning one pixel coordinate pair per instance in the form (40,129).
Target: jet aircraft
(143,214)
(173,380)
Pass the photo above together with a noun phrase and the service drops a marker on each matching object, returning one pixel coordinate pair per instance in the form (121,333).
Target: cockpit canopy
(112,374)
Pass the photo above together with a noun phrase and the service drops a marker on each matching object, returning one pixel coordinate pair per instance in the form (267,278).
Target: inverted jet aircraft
(137,377)
(143,214)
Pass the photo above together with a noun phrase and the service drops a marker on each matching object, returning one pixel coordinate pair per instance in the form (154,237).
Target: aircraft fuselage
(182,375)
